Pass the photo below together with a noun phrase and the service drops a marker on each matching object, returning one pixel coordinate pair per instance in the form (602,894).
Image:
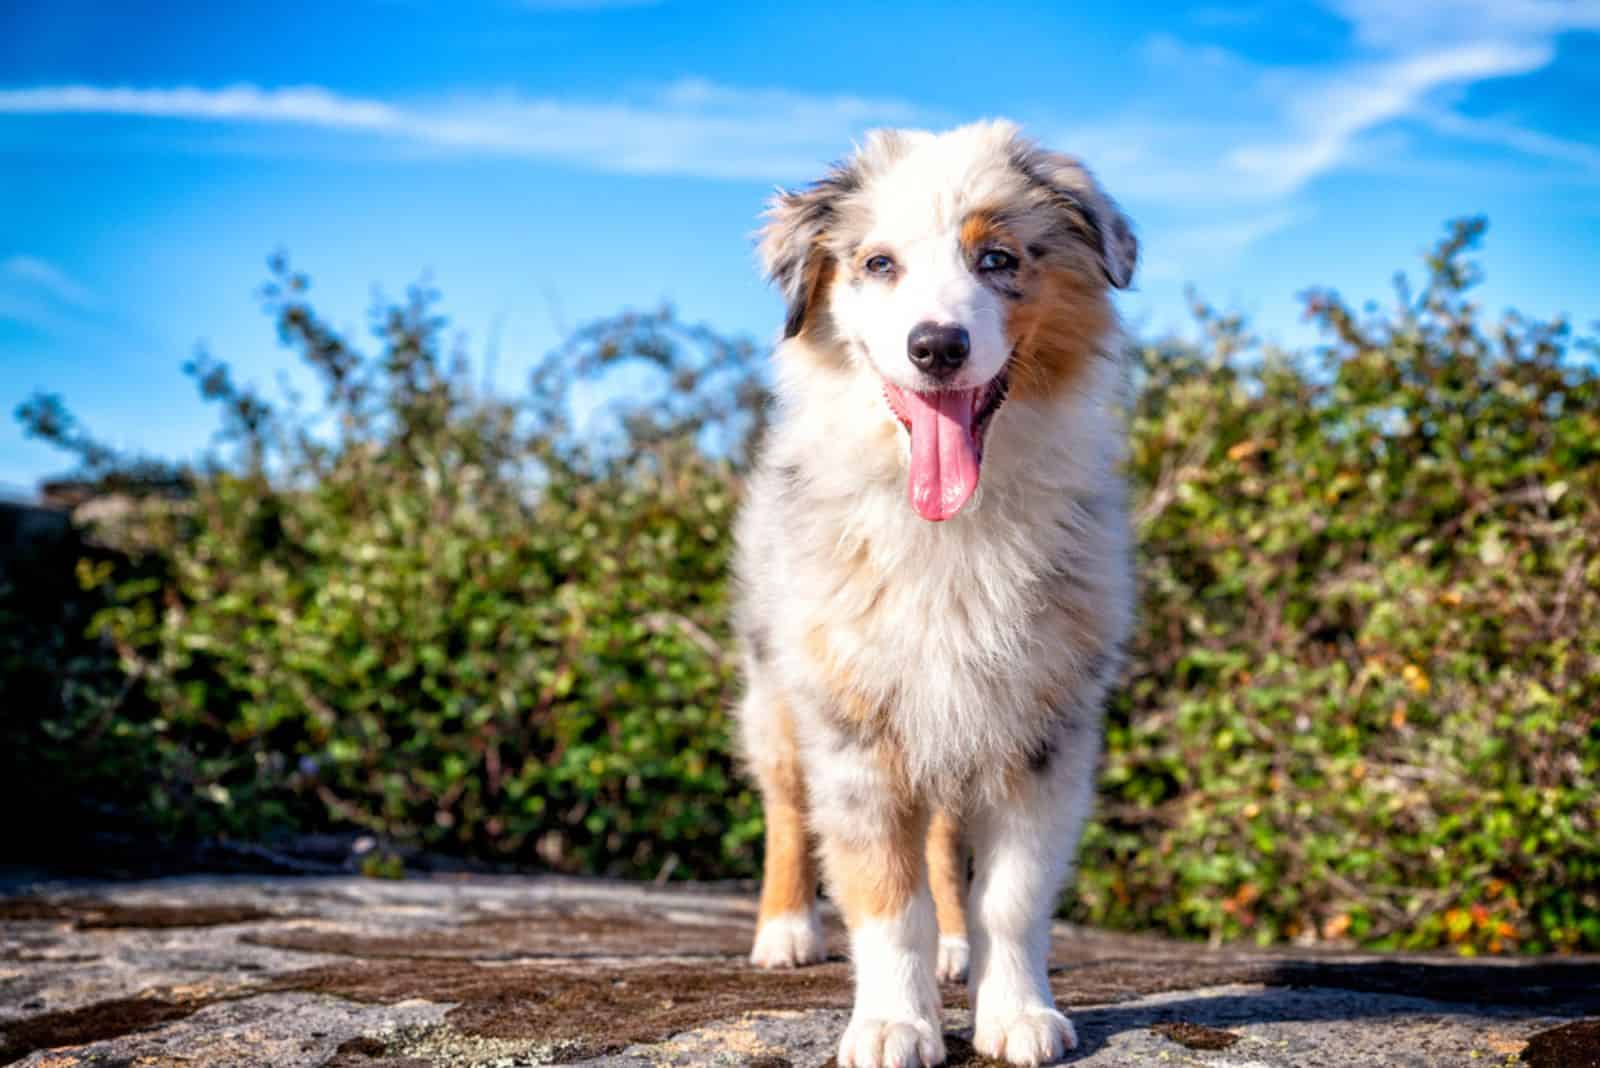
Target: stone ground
(344,972)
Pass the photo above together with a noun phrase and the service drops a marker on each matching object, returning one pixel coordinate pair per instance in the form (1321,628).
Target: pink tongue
(944,460)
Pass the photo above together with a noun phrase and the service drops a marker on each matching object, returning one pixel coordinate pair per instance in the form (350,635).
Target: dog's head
(961,268)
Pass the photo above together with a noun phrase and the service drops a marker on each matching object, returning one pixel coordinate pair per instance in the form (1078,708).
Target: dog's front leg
(873,859)
(1023,850)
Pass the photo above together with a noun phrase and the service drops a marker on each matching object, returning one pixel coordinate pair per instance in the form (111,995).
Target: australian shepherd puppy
(935,578)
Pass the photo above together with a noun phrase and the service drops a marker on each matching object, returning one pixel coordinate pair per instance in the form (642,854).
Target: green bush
(407,611)
(1363,701)
(1366,687)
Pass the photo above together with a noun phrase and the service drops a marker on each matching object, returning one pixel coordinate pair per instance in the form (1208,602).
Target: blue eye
(997,260)
(879,265)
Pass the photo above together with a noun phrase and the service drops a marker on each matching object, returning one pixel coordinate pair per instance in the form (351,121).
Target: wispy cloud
(1325,120)
(1384,24)
(32,276)
(1439,45)
(1282,128)
(1504,133)
(691,127)
(305,105)
(1213,243)
(42,297)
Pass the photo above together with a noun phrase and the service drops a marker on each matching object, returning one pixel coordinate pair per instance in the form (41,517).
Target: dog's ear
(793,248)
(1087,208)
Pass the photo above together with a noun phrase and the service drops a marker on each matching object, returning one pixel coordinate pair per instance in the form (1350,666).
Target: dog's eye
(879,264)
(997,260)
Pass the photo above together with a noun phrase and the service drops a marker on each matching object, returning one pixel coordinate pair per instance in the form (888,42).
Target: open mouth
(947,429)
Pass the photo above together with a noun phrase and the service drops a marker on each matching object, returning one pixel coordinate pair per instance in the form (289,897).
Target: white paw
(891,1044)
(789,940)
(1031,1037)
(953,955)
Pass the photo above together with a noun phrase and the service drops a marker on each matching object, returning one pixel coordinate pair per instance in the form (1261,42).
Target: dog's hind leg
(947,873)
(788,932)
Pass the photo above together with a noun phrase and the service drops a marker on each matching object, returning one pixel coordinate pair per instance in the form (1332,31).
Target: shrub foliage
(1366,700)
(1364,697)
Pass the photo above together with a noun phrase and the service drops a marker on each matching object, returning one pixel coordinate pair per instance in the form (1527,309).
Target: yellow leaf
(1416,678)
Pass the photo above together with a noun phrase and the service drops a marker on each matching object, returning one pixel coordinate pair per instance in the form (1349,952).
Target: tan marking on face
(819,274)
(947,873)
(814,344)
(789,877)
(878,878)
(981,230)
(1055,329)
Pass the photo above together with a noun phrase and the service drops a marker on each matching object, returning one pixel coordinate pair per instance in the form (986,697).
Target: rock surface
(495,971)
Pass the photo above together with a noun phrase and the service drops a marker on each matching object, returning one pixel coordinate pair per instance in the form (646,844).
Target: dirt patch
(87,915)
(563,933)
(1573,1045)
(370,1053)
(92,1023)
(366,1047)
(595,1011)
(1105,981)
(1196,1036)
(959,1053)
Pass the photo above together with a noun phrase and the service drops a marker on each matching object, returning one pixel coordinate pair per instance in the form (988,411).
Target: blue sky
(549,162)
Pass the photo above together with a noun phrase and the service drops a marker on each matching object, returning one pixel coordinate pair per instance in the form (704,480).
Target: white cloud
(1507,134)
(1226,148)
(1216,244)
(1324,121)
(306,105)
(1392,25)
(691,127)
(1460,42)
(32,277)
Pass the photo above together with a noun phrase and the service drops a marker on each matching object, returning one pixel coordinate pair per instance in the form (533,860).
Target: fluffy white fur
(956,631)
(955,952)
(896,1014)
(788,940)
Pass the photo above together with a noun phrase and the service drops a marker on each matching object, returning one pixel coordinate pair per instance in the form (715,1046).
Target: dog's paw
(891,1044)
(953,955)
(789,940)
(1031,1037)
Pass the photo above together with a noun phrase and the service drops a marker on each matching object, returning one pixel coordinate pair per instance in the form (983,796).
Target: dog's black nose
(938,349)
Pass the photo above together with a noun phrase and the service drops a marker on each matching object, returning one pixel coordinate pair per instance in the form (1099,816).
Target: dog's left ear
(792,241)
(1090,209)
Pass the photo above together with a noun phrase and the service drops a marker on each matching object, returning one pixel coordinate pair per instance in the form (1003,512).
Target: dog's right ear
(793,247)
